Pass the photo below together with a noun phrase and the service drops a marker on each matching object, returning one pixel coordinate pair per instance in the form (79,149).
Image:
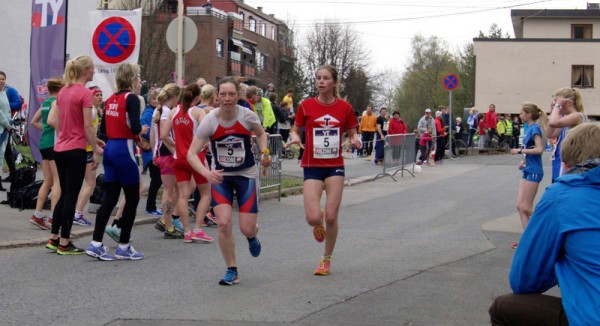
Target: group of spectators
(373,129)
(491,127)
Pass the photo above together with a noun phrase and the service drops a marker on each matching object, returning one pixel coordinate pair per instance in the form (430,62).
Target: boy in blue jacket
(560,245)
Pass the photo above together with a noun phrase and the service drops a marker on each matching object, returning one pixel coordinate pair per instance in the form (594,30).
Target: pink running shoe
(199,235)
(40,222)
(323,267)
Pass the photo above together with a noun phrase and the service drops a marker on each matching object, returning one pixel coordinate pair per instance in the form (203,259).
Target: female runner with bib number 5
(325,117)
(229,129)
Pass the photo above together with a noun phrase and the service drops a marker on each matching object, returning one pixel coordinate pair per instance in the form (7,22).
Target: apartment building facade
(551,49)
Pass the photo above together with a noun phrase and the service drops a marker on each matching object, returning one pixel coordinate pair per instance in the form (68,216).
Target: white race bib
(326,143)
(231,152)
(385,126)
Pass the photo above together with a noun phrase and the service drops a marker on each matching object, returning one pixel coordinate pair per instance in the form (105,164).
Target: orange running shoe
(323,267)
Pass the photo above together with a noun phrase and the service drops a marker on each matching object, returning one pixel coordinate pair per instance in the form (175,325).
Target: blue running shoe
(99,252)
(177,224)
(254,246)
(113,232)
(231,277)
(156,212)
(81,220)
(128,254)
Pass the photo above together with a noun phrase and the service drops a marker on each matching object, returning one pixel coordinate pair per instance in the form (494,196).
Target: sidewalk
(17,231)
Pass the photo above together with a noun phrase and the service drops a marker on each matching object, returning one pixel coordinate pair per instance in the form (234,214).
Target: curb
(74,235)
(152,219)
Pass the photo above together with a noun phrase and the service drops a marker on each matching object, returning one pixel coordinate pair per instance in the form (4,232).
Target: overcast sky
(387,26)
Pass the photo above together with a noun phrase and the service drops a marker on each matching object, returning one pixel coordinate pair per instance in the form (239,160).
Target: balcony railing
(249,69)
(235,67)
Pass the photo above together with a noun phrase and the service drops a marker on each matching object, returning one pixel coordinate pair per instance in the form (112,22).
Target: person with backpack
(46,146)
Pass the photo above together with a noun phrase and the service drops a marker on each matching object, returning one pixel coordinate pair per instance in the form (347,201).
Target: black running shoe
(69,249)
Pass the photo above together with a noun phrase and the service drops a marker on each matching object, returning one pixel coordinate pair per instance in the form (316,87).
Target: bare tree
(149,7)
(335,44)
(157,60)
(385,87)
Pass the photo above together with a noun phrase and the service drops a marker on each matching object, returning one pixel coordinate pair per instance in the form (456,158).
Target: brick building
(234,39)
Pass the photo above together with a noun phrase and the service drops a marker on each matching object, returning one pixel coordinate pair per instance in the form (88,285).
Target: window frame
(220,48)
(586,73)
(589,28)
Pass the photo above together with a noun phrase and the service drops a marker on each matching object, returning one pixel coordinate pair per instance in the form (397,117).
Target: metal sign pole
(180,43)
(450,126)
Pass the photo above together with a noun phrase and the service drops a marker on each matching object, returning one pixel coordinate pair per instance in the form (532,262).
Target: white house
(551,49)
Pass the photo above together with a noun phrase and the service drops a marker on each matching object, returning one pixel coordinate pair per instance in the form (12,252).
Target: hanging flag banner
(47,57)
(115,36)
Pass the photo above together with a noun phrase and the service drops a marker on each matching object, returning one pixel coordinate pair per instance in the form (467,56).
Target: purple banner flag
(48,34)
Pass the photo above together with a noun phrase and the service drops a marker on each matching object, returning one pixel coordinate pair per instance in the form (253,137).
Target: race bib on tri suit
(231,152)
(326,143)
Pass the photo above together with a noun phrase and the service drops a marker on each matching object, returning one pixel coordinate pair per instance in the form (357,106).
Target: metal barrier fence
(270,177)
(399,155)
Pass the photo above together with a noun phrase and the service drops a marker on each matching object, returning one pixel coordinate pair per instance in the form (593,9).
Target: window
(263,29)
(252,24)
(582,76)
(220,48)
(273,33)
(581,31)
(260,60)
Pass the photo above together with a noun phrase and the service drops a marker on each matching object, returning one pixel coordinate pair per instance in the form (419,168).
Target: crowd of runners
(189,145)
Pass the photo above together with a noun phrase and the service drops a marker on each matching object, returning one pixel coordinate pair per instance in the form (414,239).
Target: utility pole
(180,64)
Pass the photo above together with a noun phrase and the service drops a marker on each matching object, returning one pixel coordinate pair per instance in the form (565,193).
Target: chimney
(259,9)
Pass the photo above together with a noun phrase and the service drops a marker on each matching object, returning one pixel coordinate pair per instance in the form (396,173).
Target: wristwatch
(521,150)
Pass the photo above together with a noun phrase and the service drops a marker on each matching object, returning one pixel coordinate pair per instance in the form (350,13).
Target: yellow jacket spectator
(262,107)
(289,99)
(368,123)
(509,127)
(501,126)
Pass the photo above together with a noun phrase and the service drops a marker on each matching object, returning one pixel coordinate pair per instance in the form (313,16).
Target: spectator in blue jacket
(560,245)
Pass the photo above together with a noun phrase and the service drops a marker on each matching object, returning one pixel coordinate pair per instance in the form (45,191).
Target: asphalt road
(428,250)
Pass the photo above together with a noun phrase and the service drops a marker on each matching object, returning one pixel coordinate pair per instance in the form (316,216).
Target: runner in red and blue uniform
(122,124)
(229,129)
